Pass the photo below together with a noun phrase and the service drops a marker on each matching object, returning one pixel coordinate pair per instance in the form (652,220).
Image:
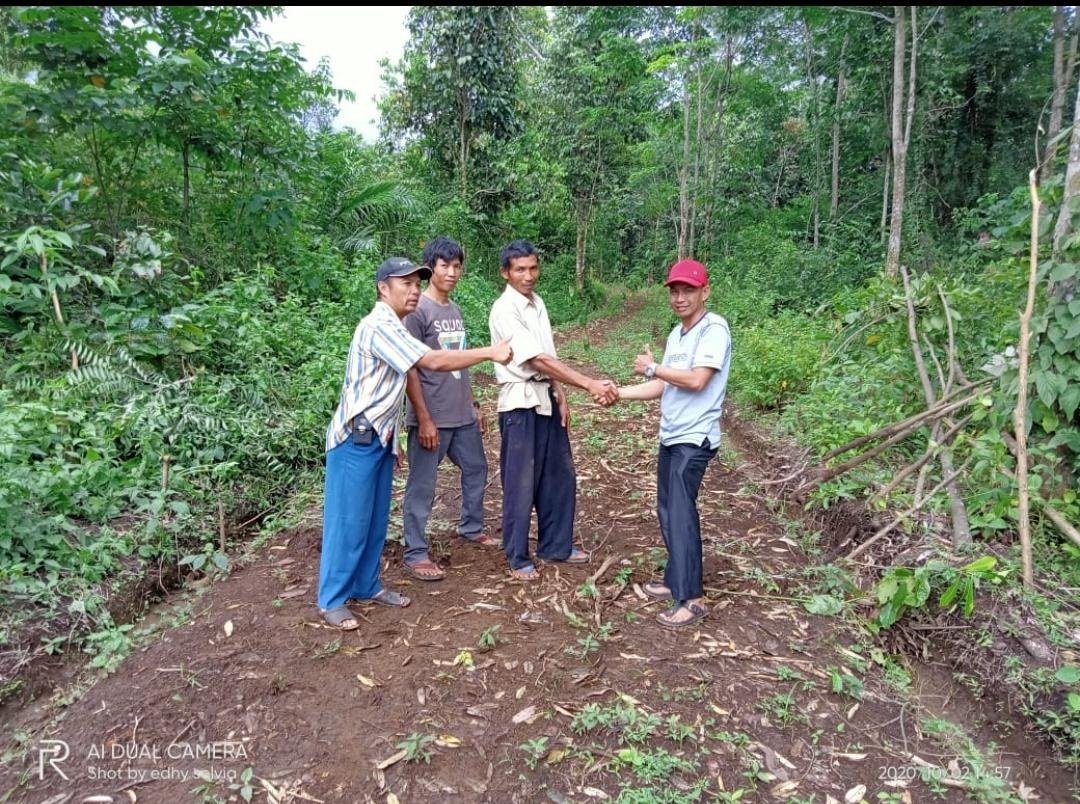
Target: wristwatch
(650,371)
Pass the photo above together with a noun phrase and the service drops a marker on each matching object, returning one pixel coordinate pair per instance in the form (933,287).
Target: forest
(887,199)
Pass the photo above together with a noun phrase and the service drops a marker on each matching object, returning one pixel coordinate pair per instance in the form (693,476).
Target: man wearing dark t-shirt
(442,416)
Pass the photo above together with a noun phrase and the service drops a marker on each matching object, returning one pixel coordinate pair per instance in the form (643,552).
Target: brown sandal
(484,540)
(426,570)
(526,573)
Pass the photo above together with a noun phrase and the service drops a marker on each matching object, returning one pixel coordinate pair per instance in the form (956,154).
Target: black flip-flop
(699,612)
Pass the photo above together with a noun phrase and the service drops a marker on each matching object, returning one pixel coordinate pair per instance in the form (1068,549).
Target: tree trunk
(815,122)
(901,134)
(1020,412)
(185,209)
(887,159)
(1063,228)
(463,148)
(834,201)
(695,187)
(579,250)
(1063,69)
(684,180)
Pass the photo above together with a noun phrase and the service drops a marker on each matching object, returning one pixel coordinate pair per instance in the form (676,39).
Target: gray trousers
(465,449)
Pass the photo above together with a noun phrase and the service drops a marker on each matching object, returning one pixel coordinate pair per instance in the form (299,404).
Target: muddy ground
(485,689)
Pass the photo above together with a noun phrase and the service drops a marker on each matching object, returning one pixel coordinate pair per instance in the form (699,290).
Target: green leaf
(1062,271)
(824,604)
(886,588)
(1070,400)
(1068,674)
(949,595)
(969,596)
(982,565)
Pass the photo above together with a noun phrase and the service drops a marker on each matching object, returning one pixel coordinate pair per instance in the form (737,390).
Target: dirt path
(563,690)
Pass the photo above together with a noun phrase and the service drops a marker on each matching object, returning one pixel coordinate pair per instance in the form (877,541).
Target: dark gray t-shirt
(446,393)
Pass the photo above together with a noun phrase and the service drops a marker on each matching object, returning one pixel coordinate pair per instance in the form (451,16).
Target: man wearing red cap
(690,383)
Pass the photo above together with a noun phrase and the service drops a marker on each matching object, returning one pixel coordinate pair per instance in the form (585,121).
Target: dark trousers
(537,470)
(679,470)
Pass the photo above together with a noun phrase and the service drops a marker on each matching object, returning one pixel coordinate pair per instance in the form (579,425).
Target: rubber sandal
(526,573)
(577,557)
(665,618)
(426,570)
(483,539)
(388,597)
(339,616)
(657,591)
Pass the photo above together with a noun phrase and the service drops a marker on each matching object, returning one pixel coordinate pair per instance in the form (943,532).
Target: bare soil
(250,677)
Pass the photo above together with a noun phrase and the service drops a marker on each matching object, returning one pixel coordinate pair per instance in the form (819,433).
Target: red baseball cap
(689,272)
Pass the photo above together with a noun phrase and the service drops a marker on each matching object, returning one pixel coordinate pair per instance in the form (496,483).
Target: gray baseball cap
(399,266)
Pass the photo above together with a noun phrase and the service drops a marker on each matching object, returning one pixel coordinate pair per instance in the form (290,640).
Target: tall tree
(901,129)
(460,91)
(1064,63)
(599,95)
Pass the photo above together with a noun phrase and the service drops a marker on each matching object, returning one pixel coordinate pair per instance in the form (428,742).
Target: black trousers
(679,471)
(537,471)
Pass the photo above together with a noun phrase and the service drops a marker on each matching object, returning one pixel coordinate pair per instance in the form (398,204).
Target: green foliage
(534,749)
(417,747)
(901,589)
(775,360)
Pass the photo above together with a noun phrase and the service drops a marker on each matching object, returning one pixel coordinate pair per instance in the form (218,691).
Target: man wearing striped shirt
(361,443)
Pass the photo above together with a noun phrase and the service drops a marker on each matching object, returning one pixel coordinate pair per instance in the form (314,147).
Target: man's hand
(429,435)
(564,411)
(501,352)
(604,392)
(481,422)
(399,460)
(643,361)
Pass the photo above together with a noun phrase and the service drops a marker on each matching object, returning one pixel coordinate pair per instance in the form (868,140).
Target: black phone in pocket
(362,433)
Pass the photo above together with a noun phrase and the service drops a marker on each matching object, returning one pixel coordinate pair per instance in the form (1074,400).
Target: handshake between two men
(607,392)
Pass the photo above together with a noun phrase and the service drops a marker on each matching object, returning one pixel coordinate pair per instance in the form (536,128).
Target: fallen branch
(1060,522)
(596,576)
(906,514)
(959,520)
(904,473)
(944,407)
(899,435)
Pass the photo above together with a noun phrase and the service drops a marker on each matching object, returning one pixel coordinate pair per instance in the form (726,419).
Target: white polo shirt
(689,417)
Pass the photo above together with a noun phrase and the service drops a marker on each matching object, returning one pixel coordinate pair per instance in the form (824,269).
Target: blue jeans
(679,471)
(465,449)
(537,470)
(356,511)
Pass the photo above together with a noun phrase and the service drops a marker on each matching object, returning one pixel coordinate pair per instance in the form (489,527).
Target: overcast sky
(354,40)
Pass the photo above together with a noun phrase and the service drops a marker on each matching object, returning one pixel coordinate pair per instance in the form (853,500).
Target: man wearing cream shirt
(535,464)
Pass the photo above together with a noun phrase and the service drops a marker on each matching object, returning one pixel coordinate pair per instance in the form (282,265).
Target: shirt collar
(520,300)
(383,310)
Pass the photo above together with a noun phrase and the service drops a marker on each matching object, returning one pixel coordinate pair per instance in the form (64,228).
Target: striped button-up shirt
(381,353)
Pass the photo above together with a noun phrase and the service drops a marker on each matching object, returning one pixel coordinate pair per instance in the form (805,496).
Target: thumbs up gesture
(501,352)
(643,361)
